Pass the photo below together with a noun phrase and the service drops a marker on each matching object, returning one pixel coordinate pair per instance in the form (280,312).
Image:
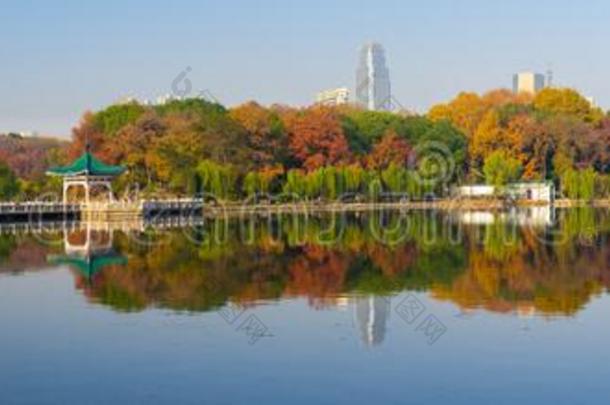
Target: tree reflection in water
(499,265)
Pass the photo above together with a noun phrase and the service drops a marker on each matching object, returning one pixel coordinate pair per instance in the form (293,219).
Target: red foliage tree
(265,132)
(599,147)
(317,138)
(29,157)
(390,149)
(87,132)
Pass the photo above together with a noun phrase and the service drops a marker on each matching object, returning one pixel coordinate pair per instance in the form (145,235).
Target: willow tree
(295,183)
(216,179)
(500,168)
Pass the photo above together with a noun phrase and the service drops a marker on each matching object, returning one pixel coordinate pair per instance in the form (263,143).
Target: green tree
(9,185)
(295,184)
(216,179)
(500,169)
(579,184)
(111,119)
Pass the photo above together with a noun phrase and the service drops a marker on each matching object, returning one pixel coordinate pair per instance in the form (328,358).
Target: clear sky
(60,58)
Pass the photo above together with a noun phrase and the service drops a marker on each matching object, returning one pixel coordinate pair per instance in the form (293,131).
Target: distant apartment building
(373,90)
(333,97)
(528,82)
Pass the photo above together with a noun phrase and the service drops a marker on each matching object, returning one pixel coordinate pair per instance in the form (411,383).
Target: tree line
(192,146)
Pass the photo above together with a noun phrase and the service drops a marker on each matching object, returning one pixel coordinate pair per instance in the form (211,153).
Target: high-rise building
(333,97)
(373,79)
(528,82)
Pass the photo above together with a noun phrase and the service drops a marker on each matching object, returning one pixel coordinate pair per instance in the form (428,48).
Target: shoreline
(122,212)
(441,205)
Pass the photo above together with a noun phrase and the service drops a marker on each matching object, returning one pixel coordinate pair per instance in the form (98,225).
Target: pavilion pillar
(65,192)
(110,195)
(86,186)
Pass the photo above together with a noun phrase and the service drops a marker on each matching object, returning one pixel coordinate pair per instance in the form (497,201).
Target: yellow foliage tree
(465,112)
(487,137)
(468,110)
(566,101)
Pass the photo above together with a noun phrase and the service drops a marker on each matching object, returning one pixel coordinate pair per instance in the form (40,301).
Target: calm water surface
(385,308)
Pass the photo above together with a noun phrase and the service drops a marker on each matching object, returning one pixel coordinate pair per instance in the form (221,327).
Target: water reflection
(551,266)
(88,251)
(372,314)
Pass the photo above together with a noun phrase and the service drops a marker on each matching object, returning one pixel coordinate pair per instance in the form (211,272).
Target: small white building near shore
(535,191)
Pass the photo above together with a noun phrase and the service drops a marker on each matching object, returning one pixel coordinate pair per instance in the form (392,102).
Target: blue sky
(61,58)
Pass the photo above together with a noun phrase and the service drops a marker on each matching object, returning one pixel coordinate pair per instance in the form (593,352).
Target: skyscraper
(373,79)
(528,82)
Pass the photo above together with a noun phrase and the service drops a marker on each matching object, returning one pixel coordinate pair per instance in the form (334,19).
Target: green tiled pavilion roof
(87,164)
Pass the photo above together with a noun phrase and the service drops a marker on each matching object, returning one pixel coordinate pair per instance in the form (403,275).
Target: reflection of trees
(21,253)
(497,267)
(556,277)
(7,245)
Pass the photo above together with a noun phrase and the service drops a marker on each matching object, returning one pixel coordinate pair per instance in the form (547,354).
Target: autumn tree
(390,149)
(465,112)
(537,146)
(87,133)
(567,102)
(135,147)
(317,138)
(598,147)
(570,136)
(29,157)
(502,97)
(265,134)
(487,137)
(492,134)
(178,152)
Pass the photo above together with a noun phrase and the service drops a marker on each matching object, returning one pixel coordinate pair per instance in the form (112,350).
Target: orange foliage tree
(317,138)
(265,133)
(390,149)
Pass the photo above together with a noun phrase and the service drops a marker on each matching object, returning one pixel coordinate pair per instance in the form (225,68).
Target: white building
(540,192)
(528,82)
(333,97)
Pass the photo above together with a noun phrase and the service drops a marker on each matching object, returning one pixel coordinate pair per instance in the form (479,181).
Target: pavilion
(87,172)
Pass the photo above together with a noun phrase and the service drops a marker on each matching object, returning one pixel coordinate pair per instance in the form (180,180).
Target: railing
(142,206)
(138,225)
(34,207)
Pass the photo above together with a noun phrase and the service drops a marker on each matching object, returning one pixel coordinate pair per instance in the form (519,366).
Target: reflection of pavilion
(88,251)
(372,314)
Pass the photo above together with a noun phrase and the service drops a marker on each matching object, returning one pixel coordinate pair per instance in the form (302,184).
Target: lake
(378,307)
